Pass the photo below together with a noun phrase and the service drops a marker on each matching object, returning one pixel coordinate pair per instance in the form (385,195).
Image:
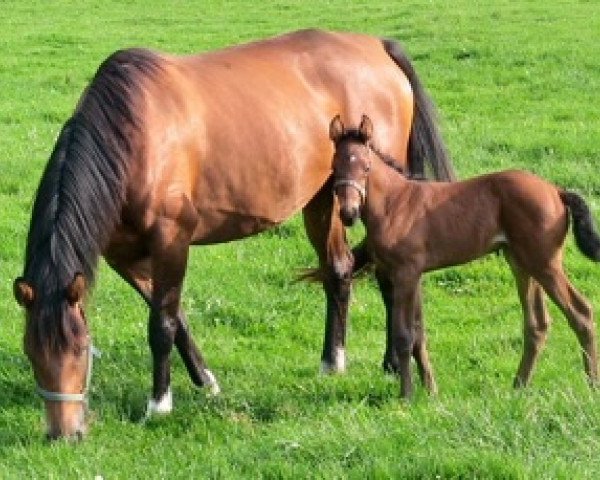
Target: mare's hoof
(338,365)
(162,406)
(211,383)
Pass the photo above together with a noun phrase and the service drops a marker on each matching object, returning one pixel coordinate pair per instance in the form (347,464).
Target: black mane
(81,191)
(355,135)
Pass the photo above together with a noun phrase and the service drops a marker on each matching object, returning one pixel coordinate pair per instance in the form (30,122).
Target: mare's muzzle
(76,428)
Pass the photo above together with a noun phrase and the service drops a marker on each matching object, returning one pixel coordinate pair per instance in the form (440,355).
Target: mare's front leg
(139,262)
(167,324)
(328,237)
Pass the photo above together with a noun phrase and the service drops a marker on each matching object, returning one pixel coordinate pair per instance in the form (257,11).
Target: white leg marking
(162,406)
(500,239)
(214,386)
(339,362)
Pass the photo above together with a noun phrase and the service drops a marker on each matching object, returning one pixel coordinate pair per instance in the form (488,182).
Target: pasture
(516,85)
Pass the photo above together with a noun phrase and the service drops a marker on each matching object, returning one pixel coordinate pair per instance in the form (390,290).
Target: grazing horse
(165,151)
(414,227)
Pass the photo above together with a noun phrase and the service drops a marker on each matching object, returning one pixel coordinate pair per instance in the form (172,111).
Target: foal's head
(351,164)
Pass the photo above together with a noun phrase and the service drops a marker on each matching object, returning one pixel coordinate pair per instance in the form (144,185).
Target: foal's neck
(383,183)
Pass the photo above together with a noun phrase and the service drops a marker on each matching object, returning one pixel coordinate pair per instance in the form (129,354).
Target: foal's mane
(80,195)
(355,135)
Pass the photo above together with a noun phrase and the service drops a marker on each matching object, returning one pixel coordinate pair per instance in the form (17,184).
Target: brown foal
(414,227)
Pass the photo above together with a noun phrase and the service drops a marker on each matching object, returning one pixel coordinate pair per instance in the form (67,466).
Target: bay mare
(166,151)
(415,227)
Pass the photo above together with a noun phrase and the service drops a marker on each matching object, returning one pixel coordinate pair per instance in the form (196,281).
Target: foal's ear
(336,129)
(24,293)
(76,289)
(366,128)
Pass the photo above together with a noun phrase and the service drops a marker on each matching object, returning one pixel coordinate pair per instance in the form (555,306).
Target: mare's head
(351,164)
(58,345)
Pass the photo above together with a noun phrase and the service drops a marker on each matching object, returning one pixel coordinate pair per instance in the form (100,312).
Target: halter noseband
(73,397)
(351,183)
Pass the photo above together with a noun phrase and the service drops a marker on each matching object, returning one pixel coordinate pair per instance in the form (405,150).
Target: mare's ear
(76,289)
(366,128)
(336,129)
(24,292)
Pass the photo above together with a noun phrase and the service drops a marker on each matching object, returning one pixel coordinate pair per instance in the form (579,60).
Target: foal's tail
(586,235)
(425,144)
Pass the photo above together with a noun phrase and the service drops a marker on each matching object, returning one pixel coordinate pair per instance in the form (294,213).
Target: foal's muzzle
(349,216)
(350,211)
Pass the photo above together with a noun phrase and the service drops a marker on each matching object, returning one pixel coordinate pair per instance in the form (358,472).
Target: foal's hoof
(432,389)
(162,406)
(594,383)
(519,383)
(390,367)
(338,365)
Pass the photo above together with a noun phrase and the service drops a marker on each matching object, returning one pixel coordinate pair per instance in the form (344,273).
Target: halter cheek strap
(72,397)
(351,183)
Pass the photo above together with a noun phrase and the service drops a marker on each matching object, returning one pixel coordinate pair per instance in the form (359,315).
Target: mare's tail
(425,144)
(586,235)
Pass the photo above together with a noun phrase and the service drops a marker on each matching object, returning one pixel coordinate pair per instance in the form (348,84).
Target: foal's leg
(390,359)
(328,237)
(536,321)
(420,352)
(402,331)
(578,312)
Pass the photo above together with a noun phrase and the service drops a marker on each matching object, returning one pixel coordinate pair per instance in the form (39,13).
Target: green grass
(516,85)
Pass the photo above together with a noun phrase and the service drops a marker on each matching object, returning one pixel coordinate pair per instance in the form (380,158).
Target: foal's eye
(367,167)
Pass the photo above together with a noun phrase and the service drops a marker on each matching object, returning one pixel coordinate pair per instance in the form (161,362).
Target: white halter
(352,183)
(73,397)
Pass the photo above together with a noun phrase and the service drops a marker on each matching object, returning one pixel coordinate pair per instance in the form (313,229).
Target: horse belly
(464,249)
(251,195)
(218,227)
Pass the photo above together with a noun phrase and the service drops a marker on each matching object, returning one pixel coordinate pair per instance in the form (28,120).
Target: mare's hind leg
(328,237)
(536,321)
(578,312)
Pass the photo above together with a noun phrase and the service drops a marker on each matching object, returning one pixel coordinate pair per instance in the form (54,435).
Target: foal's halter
(73,397)
(351,183)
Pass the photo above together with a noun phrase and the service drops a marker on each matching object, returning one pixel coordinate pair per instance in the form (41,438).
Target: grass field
(516,84)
